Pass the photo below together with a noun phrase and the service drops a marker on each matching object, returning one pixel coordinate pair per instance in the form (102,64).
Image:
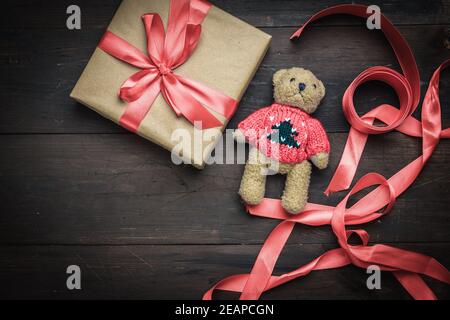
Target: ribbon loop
(122,50)
(155,44)
(407,87)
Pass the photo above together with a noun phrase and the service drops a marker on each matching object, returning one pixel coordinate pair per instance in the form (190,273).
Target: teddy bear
(284,138)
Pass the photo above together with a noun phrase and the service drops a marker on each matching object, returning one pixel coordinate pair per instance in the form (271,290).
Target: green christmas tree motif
(285,134)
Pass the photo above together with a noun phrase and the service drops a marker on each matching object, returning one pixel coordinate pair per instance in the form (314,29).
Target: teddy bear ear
(322,88)
(278,75)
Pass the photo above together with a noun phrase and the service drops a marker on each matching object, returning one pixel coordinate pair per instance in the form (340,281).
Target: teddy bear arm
(250,128)
(318,147)
(320,160)
(254,121)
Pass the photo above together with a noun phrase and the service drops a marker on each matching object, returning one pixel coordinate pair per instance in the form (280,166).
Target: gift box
(167,68)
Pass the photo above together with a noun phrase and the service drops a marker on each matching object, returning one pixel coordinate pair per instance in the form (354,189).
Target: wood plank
(261,13)
(184,272)
(121,189)
(35,84)
(269,13)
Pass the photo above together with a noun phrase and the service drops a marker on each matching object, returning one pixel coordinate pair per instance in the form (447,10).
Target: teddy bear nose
(301,86)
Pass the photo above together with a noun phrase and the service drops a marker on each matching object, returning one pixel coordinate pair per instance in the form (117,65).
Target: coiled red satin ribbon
(406,266)
(167,51)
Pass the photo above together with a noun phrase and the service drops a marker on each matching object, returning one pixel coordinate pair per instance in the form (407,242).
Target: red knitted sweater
(285,133)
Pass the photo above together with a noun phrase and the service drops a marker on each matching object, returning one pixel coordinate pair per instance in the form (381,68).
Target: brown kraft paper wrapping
(226,58)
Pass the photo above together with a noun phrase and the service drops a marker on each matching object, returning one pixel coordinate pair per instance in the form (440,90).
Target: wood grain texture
(184,272)
(34,101)
(121,189)
(77,189)
(260,13)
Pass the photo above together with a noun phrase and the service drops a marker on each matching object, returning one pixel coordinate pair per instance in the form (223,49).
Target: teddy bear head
(299,88)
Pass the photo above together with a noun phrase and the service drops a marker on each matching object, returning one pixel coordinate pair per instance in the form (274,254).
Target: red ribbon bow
(167,51)
(406,266)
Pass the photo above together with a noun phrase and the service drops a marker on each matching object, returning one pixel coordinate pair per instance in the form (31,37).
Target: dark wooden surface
(77,189)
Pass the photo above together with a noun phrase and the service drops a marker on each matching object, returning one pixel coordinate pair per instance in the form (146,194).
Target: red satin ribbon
(167,51)
(407,266)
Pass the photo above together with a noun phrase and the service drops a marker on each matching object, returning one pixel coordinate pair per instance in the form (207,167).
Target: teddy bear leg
(295,193)
(253,183)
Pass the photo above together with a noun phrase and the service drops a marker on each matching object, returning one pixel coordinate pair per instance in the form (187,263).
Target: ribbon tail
(343,176)
(180,99)
(198,11)
(414,285)
(136,110)
(209,97)
(431,113)
(266,260)
(388,258)
(331,259)
(234,283)
(313,214)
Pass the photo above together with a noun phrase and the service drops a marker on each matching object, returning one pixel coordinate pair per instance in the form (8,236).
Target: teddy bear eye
(292,79)
(315,86)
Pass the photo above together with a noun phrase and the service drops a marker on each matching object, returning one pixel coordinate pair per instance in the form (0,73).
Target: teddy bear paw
(320,160)
(293,206)
(250,196)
